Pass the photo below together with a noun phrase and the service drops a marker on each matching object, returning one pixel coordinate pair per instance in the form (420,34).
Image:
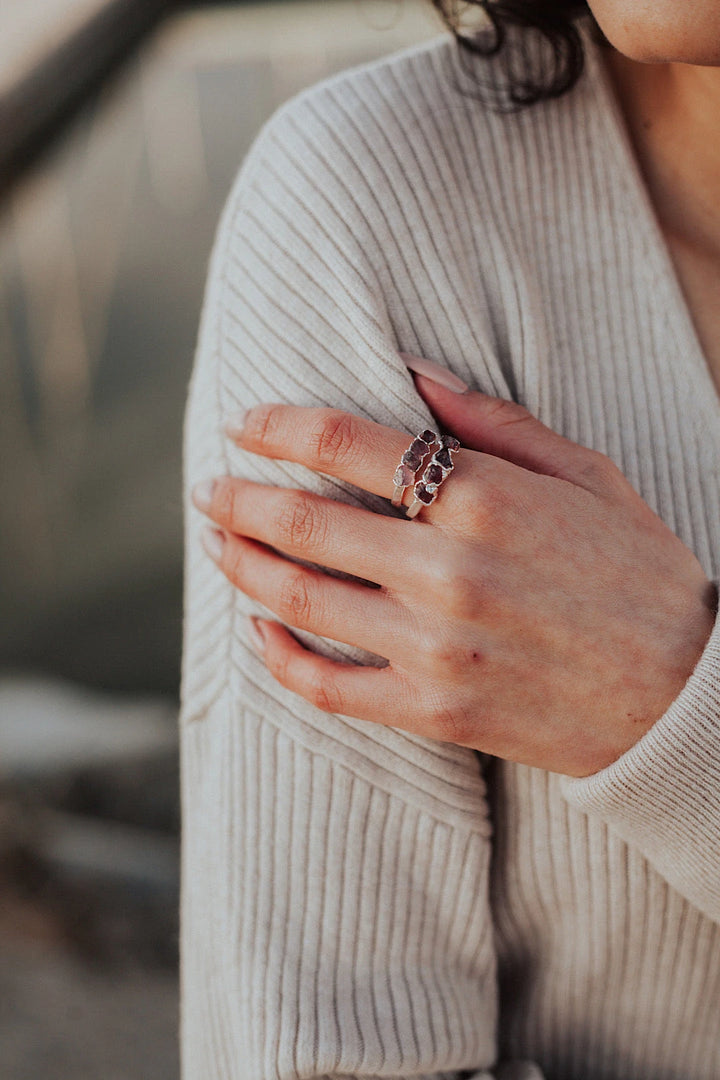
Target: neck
(672,114)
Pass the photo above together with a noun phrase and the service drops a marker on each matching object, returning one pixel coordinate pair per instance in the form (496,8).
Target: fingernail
(202,494)
(438,374)
(213,541)
(255,633)
(235,424)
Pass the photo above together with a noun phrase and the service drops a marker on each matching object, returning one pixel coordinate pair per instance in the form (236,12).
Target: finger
(308,599)
(319,530)
(507,429)
(367,693)
(351,448)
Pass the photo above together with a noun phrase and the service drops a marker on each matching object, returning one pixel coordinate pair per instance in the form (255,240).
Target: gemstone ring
(439,468)
(411,461)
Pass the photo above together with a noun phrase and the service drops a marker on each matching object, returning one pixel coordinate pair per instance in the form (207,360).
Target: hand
(538,610)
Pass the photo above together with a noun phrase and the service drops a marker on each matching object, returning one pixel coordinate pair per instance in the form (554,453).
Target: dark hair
(562,64)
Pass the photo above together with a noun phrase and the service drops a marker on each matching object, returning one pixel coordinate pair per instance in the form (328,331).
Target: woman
(458,810)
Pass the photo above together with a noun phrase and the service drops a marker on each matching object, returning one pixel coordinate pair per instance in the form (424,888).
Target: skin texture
(541,613)
(548,616)
(671,111)
(660,30)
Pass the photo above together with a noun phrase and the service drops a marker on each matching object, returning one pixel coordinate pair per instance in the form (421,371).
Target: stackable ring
(438,469)
(411,461)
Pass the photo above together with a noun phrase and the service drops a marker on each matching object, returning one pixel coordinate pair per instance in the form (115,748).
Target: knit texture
(357,901)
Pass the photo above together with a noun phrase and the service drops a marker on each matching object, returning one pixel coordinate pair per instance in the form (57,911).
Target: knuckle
(298,521)
(325,695)
(459,584)
(479,506)
(233,563)
(600,472)
(435,644)
(226,503)
(281,667)
(295,599)
(334,439)
(506,412)
(261,425)
(464,597)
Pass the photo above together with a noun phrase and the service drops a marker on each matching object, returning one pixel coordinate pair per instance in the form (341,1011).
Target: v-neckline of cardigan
(698,369)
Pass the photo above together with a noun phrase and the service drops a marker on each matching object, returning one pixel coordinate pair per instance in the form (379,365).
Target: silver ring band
(438,469)
(411,461)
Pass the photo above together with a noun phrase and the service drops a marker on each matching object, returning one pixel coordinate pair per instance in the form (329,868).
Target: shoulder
(347,162)
(358,111)
(408,106)
(415,123)
(342,167)
(352,141)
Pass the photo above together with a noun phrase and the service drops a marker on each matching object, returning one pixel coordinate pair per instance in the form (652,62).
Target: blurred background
(122,126)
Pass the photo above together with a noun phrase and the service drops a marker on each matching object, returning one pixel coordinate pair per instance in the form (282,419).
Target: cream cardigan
(355,900)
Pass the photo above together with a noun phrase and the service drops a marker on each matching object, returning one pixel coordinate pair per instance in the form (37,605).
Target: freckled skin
(656,31)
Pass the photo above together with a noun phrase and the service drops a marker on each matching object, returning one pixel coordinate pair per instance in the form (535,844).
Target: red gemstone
(411,459)
(419,447)
(450,442)
(428,436)
(422,493)
(433,474)
(404,475)
(442,457)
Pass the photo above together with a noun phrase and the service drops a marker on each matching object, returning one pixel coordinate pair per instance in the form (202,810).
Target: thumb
(504,428)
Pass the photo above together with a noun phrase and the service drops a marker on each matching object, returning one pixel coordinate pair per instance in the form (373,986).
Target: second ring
(436,472)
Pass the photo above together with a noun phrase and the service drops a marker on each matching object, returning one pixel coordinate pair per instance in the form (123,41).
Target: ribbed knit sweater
(357,901)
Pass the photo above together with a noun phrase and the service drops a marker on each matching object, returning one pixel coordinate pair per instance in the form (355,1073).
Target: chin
(662,31)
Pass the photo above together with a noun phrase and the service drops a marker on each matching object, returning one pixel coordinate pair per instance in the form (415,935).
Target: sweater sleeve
(334,916)
(663,795)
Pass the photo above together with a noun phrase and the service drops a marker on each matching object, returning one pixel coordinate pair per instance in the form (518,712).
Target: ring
(411,461)
(439,468)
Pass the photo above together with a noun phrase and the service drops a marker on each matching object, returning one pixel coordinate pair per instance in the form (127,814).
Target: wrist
(692,629)
(688,629)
